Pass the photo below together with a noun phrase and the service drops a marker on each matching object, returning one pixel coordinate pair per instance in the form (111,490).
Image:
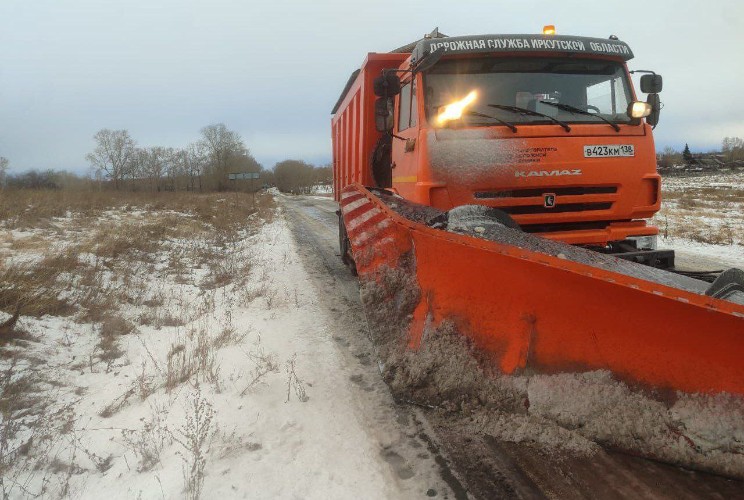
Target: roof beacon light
(549,30)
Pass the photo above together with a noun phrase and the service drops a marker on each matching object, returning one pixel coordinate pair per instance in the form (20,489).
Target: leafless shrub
(26,431)
(205,358)
(179,369)
(112,328)
(148,442)
(263,365)
(145,383)
(117,404)
(233,444)
(195,437)
(228,336)
(33,289)
(196,356)
(293,381)
(169,319)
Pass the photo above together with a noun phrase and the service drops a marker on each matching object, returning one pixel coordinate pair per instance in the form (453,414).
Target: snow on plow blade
(536,306)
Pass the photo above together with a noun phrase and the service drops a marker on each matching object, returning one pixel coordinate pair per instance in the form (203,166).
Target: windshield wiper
(525,111)
(571,109)
(481,115)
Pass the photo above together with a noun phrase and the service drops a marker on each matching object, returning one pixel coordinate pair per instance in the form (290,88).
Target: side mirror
(383,114)
(651,84)
(387,85)
(429,60)
(655,103)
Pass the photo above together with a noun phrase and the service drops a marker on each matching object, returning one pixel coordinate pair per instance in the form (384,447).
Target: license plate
(609,150)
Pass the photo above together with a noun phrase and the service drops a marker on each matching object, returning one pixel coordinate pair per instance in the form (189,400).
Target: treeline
(298,177)
(46,179)
(203,165)
(117,162)
(731,153)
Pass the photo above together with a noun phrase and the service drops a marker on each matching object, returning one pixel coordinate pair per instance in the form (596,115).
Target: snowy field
(173,353)
(176,347)
(702,217)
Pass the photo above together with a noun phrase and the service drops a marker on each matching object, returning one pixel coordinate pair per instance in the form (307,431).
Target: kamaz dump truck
(510,179)
(546,129)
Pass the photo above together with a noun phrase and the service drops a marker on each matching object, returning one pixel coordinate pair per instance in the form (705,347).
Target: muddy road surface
(469,463)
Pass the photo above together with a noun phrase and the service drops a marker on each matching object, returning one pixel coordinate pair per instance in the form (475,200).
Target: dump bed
(353,123)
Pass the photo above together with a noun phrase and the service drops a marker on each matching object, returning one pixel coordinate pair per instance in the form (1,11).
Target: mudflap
(344,245)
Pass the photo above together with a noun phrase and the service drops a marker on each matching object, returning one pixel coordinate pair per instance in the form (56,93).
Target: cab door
(405,149)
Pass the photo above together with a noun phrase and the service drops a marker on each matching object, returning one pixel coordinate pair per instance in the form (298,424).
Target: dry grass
(58,281)
(117,265)
(21,209)
(703,209)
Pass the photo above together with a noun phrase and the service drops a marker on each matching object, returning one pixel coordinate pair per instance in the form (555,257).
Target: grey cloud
(272,71)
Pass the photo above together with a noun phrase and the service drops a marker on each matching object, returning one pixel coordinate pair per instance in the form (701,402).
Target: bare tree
(668,158)
(151,164)
(195,159)
(4,162)
(733,148)
(294,176)
(173,167)
(323,174)
(113,155)
(222,145)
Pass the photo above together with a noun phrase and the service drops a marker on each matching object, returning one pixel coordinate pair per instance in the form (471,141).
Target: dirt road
(472,464)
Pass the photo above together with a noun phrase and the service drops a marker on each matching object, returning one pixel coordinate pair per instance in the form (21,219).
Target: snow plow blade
(537,306)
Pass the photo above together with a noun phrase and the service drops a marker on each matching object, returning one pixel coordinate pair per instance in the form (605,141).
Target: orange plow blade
(544,307)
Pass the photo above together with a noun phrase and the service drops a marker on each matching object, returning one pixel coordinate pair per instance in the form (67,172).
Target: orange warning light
(549,30)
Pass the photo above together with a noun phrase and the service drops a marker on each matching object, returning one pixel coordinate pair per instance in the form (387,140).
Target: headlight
(639,109)
(454,110)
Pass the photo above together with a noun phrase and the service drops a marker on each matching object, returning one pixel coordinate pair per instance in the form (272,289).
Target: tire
(480,215)
(504,218)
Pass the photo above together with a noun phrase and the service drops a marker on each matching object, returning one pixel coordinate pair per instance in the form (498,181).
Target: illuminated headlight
(644,242)
(455,110)
(639,109)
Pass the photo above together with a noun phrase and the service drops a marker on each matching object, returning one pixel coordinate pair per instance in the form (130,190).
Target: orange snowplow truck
(546,129)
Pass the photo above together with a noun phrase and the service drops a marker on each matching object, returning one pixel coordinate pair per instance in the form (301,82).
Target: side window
(404,107)
(621,99)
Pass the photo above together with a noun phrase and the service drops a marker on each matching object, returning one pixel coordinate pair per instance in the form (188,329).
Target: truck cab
(545,128)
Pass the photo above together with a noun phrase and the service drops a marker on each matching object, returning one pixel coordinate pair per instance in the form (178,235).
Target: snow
(693,251)
(702,219)
(268,413)
(572,412)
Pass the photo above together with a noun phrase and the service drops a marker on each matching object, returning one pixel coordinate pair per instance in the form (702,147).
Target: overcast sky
(272,70)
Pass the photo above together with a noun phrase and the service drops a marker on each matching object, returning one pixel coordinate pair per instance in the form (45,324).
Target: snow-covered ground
(702,218)
(218,379)
(167,353)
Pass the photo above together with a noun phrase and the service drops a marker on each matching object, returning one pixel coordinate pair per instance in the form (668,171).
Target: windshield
(533,84)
